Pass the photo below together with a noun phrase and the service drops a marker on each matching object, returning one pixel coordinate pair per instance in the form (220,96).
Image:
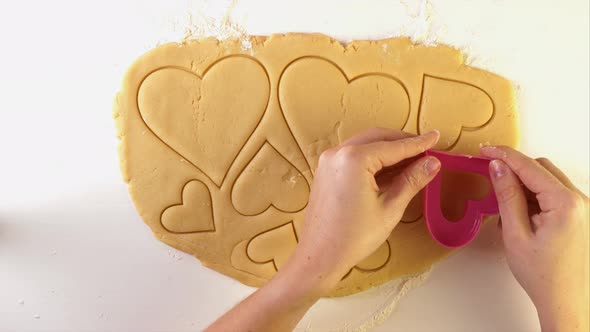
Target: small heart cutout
(273,246)
(446,101)
(192,115)
(269,180)
(193,214)
(323,107)
(457,233)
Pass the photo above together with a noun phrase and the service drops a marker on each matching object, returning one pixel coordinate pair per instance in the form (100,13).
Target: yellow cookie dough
(219,143)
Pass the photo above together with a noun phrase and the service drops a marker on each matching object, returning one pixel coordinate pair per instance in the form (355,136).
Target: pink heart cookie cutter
(455,234)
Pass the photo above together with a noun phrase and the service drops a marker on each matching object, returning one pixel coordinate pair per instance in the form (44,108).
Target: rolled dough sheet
(219,142)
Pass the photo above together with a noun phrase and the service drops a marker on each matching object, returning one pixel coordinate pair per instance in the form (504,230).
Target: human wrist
(556,316)
(305,279)
(311,278)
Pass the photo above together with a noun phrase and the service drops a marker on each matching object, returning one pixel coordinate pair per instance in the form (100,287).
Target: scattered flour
(413,7)
(198,25)
(424,27)
(246,44)
(175,255)
(383,312)
(363,311)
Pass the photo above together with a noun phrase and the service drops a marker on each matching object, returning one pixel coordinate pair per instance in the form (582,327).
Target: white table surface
(75,256)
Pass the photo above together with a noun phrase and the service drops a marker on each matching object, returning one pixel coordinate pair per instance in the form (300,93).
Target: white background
(74,255)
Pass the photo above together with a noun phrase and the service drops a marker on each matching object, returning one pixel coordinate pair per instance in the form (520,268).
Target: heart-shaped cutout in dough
(269,180)
(192,115)
(323,107)
(452,107)
(193,214)
(273,246)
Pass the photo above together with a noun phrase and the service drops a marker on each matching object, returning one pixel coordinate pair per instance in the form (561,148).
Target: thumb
(411,180)
(511,201)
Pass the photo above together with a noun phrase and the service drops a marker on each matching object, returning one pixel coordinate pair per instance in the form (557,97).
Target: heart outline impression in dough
(251,197)
(283,239)
(183,126)
(321,126)
(278,237)
(465,94)
(194,213)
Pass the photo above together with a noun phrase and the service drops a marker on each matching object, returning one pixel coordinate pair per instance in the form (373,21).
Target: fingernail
(493,151)
(425,135)
(498,168)
(434,132)
(431,166)
(484,145)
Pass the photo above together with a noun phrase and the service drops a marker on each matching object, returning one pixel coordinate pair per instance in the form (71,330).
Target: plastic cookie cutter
(454,234)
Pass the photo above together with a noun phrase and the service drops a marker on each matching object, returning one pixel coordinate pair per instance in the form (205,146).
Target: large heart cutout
(452,107)
(269,180)
(192,115)
(193,214)
(323,106)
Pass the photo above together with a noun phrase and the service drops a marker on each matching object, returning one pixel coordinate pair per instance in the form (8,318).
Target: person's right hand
(545,231)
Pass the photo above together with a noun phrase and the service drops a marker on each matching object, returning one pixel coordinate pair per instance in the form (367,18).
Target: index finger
(376,134)
(378,155)
(534,176)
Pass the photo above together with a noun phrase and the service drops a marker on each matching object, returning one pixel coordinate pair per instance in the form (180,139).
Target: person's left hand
(355,203)
(351,213)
